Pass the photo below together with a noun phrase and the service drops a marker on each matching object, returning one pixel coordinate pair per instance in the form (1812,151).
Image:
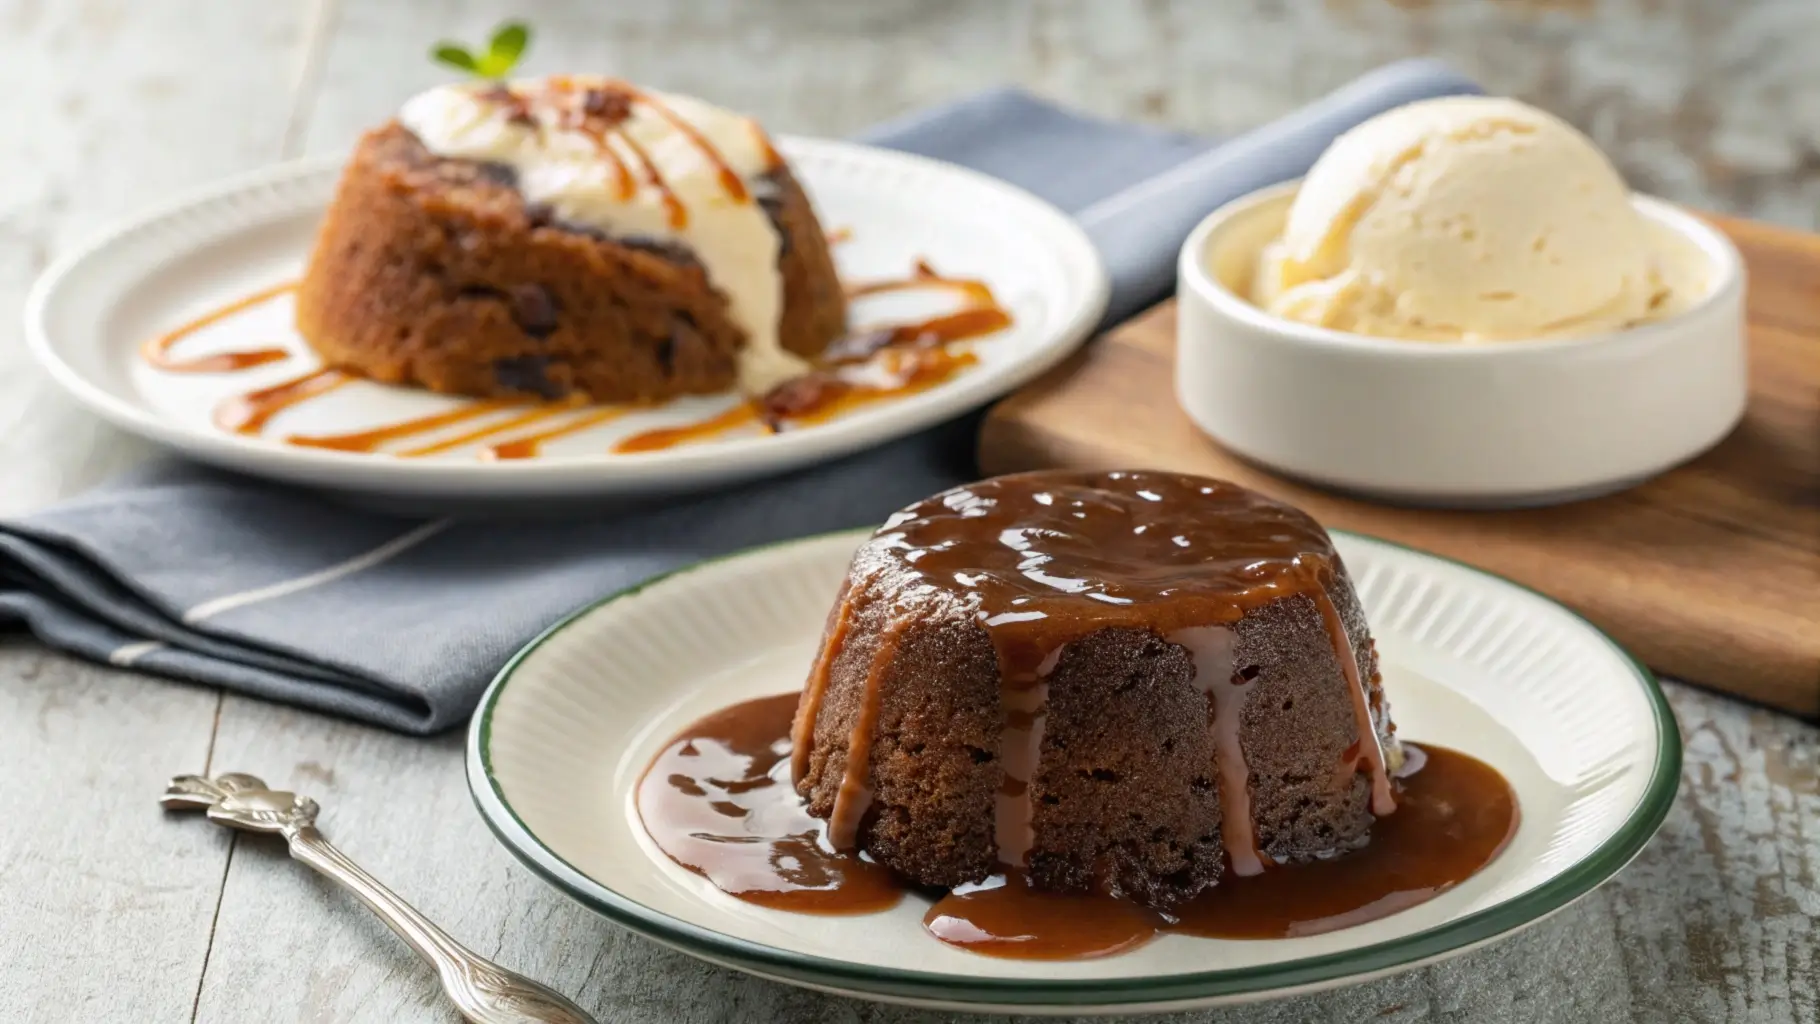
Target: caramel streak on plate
(370,440)
(157,351)
(742,415)
(527,447)
(221,362)
(914,355)
(816,397)
(918,372)
(529,417)
(924,276)
(248,413)
(947,328)
(515,448)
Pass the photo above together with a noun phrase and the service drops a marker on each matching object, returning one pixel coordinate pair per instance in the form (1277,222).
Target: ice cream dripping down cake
(570,234)
(1089,706)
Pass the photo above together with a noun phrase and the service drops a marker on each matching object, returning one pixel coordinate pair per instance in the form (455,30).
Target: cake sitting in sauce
(569,236)
(1122,682)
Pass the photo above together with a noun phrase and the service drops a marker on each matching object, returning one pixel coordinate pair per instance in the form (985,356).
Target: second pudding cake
(1123,682)
(570,237)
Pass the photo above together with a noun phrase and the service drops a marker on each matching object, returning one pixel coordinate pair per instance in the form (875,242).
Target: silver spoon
(483,991)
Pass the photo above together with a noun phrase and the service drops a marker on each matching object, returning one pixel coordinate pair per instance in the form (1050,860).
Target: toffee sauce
(913,356)
(598,112)
(248,413)
(1041,560)
(718,801)
(157,351)
(815,397)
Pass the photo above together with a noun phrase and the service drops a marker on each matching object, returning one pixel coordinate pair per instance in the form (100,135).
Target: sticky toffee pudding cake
(1094,708)
(571,236)
(1125,683)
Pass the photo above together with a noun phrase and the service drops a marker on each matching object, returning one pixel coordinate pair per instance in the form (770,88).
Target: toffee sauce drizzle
(598,112)
(1045,560)
(157,351)
(246,414)
(816,397)
(718,801)
(915,356)
(922,275)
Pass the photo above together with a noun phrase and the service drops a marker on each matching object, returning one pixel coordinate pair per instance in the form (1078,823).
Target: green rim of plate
(1158,990)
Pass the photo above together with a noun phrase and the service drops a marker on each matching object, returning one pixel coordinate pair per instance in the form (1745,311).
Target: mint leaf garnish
(455,56)
(506,46)
(495,62)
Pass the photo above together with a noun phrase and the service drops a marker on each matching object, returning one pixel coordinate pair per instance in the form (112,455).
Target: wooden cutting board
(1709,573)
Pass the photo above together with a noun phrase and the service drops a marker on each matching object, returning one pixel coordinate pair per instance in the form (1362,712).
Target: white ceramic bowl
(1495,425)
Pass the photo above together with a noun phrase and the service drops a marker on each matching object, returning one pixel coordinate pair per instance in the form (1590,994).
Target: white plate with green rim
(1470,661)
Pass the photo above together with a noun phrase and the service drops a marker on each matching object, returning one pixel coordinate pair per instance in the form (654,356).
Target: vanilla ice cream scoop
(1467,218)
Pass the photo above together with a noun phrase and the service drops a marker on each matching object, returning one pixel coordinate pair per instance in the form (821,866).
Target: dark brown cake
(438,271)
(1140,640)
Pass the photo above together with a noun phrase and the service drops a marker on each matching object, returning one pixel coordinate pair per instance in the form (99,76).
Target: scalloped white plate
(88,314)
(1470,661)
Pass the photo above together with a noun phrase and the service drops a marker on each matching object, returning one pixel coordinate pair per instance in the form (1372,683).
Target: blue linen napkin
(187,572)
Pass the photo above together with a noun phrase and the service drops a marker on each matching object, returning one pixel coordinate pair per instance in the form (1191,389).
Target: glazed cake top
(634,163)
(1044,552)
(1042,559)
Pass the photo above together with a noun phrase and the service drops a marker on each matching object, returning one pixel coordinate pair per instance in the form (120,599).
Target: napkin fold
(187,572)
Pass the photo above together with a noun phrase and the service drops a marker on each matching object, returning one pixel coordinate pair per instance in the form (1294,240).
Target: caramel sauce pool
(1454,816)
(718,801)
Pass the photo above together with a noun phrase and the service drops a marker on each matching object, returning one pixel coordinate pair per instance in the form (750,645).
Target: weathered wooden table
(108,911)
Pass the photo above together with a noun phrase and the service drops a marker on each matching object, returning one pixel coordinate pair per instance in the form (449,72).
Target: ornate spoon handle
(483,991)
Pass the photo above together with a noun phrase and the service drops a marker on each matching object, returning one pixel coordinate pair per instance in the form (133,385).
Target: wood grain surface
(1710,572)
(114,913)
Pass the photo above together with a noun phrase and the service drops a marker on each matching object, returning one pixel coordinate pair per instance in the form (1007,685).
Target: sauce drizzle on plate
(718,801)
(868,365)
